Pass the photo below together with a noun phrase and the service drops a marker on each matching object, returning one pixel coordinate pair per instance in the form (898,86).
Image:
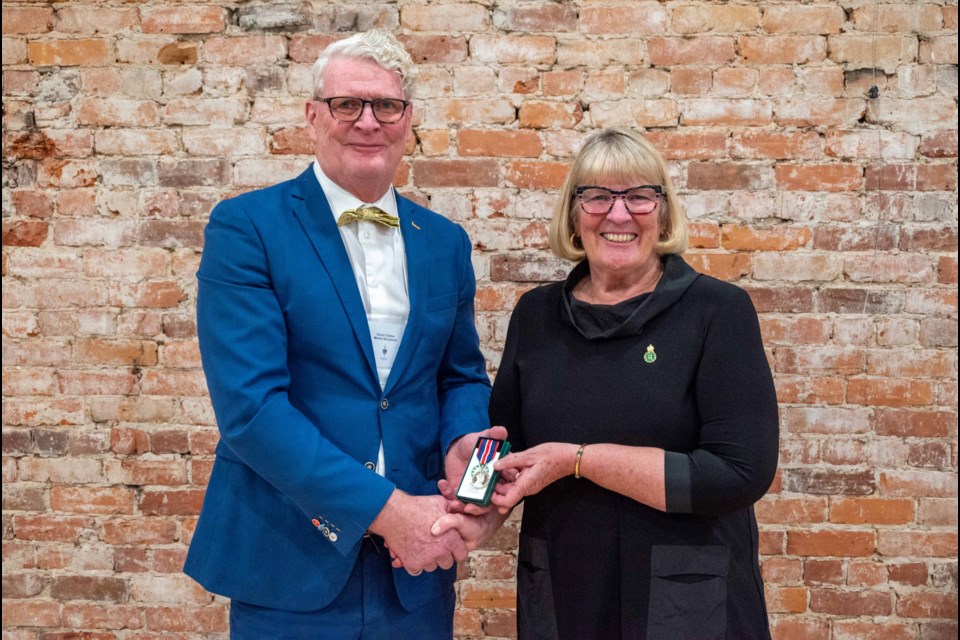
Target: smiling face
(619,245)
(360,156)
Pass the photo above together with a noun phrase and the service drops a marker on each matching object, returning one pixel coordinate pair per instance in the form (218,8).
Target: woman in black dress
(643,419)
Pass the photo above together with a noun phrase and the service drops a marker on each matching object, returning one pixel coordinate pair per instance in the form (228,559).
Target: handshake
(424,533)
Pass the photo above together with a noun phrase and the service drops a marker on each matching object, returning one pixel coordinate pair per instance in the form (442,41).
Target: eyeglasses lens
(600,201)
(386,110)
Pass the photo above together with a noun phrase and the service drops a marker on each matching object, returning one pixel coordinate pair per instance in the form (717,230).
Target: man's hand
(405,522)
(474,530)
(458,457)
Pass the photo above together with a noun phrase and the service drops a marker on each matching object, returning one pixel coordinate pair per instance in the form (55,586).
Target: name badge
(386,340)
(479,478)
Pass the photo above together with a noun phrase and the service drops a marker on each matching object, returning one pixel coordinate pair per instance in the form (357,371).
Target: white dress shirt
(379,264)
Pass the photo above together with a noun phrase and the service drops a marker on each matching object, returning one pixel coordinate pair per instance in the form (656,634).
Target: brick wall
(124,122)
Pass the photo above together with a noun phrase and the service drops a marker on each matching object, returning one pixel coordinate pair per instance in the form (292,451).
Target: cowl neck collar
(677,277)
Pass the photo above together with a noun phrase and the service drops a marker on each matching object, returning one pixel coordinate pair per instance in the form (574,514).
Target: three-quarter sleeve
(736,457)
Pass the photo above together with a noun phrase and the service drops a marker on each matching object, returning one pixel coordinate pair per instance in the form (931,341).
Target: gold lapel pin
(650,356)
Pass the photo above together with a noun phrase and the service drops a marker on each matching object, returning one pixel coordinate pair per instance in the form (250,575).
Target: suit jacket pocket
(688,592)
(536,617)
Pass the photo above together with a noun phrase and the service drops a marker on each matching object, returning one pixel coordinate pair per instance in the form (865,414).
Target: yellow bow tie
(370,214)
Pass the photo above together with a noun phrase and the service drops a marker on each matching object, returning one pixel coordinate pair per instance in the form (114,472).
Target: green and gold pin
(650,356)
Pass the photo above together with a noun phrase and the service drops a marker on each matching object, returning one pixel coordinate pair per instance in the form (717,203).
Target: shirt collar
(340,199)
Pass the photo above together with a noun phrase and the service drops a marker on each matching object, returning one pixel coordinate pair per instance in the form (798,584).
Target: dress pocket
(536,616)
(688,592)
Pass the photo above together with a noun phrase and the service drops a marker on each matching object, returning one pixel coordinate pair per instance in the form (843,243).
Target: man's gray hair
(377,46)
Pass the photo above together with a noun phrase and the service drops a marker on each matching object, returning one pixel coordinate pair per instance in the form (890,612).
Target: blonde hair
(382,48)
(623,156)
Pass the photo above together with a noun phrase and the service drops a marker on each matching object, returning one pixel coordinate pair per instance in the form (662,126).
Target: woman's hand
(527,472)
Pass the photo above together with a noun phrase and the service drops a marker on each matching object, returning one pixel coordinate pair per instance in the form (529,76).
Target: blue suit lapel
(312,210)
(415,246)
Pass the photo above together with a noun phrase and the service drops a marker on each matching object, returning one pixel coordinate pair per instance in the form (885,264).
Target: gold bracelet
(576,467)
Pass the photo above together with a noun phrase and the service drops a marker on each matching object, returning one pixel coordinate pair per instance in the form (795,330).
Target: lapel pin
(650,356)
(415,225)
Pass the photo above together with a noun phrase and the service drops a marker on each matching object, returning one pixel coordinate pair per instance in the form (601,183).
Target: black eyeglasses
(599,201)
(349,109)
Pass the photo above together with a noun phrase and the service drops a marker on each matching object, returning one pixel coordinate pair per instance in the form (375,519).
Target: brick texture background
(125,121)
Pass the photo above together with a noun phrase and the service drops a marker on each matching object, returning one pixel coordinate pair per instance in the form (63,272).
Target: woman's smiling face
(619,244)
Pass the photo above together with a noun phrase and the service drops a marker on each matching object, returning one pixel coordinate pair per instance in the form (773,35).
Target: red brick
(642,18)
(719,265)
(727,176)
(36,613)
(927,605)
(68,53)
(182,19)
(24,233)
(904,483)
(820,112)
(120,352)
(90,616)
(171,503)
(489,595)
(799,628)
(831,177)
(782,49)
(31,204)
(456,173)
(89,20)
(908,423)
(899,17)
(909,573)
(889,392)
(471,111)
(510,144)
(779,510)
(691,81)
(88,588)
(869,51)
(721,18)
(939,144)
(545,115)
(871,511)
(739,237)
(244,50)
(830,543)
(718,112)
(689,145)
(822,572)
(536,175)
(513,49)
(26,20)
(822,19)
(174,383)
(850,603)
(193,619)
(139,531)
(445,17)
(95,500)
(786,599)
(916,543)
(536,17)
(429,49)
(778,145)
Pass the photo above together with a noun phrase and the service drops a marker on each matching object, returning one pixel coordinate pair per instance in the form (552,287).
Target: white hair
(377,46)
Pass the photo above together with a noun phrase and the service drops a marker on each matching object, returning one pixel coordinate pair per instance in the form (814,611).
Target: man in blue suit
(336,328)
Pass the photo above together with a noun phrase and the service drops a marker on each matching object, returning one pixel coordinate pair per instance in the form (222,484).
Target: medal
(480,477)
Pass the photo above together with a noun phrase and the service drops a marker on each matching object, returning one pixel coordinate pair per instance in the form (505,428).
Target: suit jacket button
(333,536)
(370,465)
(326,532)
(384,403)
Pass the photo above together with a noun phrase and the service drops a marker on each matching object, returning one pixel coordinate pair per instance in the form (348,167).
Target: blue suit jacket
(289,363)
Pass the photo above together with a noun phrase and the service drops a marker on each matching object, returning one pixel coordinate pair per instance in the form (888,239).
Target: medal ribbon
(486,450)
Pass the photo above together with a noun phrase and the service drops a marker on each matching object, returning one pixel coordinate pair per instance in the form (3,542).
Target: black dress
(682,369)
